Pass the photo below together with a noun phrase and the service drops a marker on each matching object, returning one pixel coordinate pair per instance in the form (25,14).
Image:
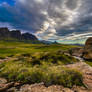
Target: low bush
(47,57)
(49,74)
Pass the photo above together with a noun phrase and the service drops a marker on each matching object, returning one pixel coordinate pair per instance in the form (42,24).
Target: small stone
(67,90)
(13,89)
(3,81)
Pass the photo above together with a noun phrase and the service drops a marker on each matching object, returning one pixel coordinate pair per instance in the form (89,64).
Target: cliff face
(4,33)
(16,34)
(88,49)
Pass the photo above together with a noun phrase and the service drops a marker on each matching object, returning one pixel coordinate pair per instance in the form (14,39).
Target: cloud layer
(61,20)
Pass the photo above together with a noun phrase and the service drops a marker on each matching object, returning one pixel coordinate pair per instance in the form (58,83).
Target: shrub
(46,57)
(53,58)
(49,74)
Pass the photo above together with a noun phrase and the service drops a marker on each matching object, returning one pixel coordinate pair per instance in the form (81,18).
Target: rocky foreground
(81,66)
(87,73)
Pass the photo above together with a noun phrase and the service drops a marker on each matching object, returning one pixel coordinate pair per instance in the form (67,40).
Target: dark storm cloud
(49,18)
(71,4)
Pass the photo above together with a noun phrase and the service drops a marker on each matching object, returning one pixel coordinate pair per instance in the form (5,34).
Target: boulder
(78,52)
(88,49)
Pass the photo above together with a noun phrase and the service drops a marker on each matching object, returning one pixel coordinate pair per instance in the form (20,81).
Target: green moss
(89,63)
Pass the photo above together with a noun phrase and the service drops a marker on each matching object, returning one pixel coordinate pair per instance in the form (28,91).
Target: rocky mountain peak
(6,34)
(28,36)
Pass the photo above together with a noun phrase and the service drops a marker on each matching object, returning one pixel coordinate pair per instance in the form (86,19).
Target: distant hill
(6,34)
(48,42)
(77,44)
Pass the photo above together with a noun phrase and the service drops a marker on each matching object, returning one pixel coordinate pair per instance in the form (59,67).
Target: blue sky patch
(10,2)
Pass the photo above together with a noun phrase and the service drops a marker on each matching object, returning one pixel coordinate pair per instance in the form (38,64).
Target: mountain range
(6,34)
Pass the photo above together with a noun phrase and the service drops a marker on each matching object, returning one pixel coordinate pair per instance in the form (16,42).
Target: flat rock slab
(86,70)
(53,88)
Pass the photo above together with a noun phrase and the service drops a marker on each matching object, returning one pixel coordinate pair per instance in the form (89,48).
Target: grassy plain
(35,63)
(14,48)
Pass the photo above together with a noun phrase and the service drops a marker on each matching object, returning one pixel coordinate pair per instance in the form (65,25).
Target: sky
(65,21)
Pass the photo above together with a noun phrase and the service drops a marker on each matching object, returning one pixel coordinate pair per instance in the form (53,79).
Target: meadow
(36,63)
(14,48)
